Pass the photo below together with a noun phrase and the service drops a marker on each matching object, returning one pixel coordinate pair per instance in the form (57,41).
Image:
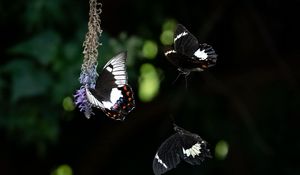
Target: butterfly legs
(176,78)
(185,77)
(182,72)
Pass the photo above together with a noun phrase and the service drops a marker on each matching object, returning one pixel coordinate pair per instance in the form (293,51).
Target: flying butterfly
(187,54)
(112,93)
(183,145)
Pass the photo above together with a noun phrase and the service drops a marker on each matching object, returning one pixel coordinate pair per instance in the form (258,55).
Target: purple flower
(88,80)
(89,76)
(83,104)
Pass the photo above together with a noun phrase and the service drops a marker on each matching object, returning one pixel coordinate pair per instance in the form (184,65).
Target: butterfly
(112,92)
(181,145)
(187,54)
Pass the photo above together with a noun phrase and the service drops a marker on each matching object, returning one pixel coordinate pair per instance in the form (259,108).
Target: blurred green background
(246,107)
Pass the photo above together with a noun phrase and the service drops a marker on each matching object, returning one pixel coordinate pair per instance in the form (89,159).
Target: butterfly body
(183,145)
(112,93)
(187,54)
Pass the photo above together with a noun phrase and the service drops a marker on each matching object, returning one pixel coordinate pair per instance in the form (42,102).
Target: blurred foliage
(63,170)
(43,73)
(68,104)
(166,37)
(150,49)
(221,149)
(149,82)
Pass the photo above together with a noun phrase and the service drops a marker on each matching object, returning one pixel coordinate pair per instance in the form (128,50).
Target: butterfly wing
(187,54)
(193,149)
(112,93)
(179,60)
(185,42)
(166,157)
(207,54)
(181,145)
(185,63)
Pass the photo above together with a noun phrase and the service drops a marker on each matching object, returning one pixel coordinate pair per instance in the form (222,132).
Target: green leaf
(169,24)
(63,170)
(43,47)
(150,49)
(37,12)
(68,104)
(27,80)
(72,51)
(149,82)
(221,150)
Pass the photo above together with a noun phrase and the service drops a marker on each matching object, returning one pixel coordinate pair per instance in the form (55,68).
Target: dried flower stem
(91,43)
(88,73)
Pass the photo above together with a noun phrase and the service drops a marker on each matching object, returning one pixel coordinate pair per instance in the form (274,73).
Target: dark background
(250,99)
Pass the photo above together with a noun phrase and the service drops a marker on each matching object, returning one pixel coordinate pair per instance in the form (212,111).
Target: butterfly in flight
(112,93)
(187,54)
(181,145)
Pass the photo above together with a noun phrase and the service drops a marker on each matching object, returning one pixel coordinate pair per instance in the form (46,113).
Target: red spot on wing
(123,106)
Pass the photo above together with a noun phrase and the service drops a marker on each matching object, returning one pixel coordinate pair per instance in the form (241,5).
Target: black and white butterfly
(181,145)
(112,93)
(187,54)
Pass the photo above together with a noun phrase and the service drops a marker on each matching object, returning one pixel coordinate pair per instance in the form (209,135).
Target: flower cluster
(82,102)
(88,73)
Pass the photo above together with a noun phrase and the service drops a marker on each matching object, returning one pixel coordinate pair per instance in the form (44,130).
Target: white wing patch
(118,68)
(193,151)
(180,35)
(120,77)
(201,54)
(118,72)
(169,52)
(160,161)
(120,82)
(109,69)
(115,95)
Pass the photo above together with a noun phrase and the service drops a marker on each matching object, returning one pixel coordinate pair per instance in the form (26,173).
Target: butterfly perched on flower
(187,54)
(112,92)
(183,145)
